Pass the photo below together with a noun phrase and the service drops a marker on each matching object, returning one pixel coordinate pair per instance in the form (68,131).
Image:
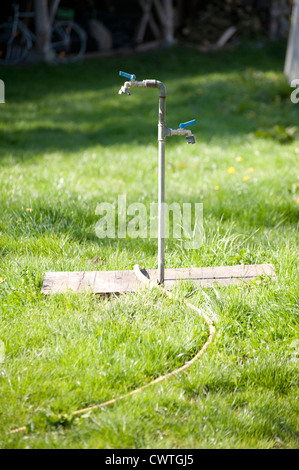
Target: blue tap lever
(128,75)
(186,124)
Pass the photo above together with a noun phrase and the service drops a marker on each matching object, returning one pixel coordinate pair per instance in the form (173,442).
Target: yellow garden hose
(162,378)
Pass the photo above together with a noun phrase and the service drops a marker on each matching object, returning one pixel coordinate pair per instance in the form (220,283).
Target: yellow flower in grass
(231,170)
(216,187)
(239,159)
(28,209)
(297,200)
(250,170)
(246,177)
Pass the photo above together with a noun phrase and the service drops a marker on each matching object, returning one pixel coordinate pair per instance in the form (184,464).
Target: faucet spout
(190,139)
(143,84)
(189,136)
(125,89)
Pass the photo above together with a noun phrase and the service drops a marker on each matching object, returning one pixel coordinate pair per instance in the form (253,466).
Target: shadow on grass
(77,106)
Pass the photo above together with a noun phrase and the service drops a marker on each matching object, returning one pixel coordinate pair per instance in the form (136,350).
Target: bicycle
(67,39)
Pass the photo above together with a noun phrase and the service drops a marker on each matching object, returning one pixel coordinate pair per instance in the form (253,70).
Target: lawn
(70,142)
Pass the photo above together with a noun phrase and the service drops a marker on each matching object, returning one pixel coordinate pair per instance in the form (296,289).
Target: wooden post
(146,19)
(291,68)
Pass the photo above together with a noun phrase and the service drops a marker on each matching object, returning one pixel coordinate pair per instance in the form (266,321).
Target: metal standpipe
(163,132)
(161,183)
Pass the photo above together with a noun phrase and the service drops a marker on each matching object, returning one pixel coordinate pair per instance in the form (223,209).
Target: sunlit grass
(69,142)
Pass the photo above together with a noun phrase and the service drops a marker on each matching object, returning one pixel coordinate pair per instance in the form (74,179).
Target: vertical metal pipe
(161,187)
(161,212)
(163,131)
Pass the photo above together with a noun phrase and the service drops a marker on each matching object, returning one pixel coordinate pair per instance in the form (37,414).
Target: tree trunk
(44,18)
(291,68)
(168,21)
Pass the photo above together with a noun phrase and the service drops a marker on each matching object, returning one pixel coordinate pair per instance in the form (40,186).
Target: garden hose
(162,378)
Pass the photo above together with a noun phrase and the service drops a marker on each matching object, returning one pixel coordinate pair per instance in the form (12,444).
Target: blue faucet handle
(127,75)
(186,124)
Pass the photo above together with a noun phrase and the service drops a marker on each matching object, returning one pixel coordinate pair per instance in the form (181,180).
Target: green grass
(69,142)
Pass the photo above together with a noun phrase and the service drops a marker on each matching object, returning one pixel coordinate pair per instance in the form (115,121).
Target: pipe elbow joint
(162,89)
(156,84)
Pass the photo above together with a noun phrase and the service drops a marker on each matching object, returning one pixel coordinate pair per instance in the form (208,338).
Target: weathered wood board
(108,282)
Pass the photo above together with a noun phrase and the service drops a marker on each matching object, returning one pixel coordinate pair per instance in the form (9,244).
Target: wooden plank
(52,10)
(146,7)
(160,11)
(147,19)
(108,282)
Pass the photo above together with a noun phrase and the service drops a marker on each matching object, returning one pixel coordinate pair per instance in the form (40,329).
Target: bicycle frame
(61,37)
(17,22)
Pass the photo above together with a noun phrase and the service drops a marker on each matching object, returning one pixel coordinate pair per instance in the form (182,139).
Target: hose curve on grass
(162,378)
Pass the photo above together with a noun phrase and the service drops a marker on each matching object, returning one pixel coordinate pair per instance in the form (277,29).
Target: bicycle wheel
(15,44)
(68,41)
